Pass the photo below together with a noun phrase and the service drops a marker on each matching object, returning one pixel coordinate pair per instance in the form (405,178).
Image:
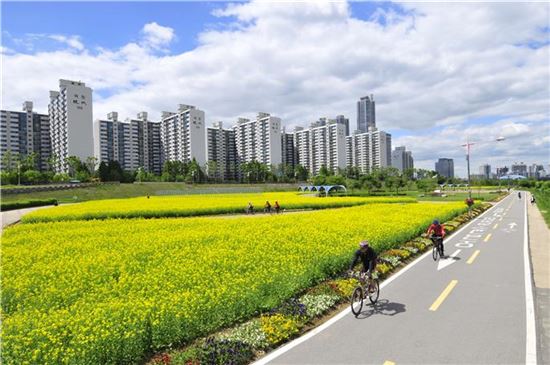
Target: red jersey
(437,230)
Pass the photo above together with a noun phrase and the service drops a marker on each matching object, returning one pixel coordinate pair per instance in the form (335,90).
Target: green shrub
(27,204)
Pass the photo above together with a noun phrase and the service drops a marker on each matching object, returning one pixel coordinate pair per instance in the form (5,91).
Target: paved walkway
(13,216)
(539,240)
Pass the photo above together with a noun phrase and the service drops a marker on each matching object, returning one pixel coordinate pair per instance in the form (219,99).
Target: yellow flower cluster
(92,292)
(193,205)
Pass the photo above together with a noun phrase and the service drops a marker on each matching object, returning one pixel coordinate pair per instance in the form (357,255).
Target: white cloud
(157,36)
(72,41)
(435,66)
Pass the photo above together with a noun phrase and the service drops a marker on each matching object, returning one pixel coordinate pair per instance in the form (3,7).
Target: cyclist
(277,207)
(267,207)
(533,201)
(250,208)
(436,232)
(519,194)
(368,257)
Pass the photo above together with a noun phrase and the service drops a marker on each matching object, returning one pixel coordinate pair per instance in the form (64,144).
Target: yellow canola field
(92,292)
(193,205)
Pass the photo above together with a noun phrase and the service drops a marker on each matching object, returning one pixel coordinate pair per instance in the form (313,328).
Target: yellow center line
(473,257)
(443,295)
(487,238)
(388,362)
(495,226)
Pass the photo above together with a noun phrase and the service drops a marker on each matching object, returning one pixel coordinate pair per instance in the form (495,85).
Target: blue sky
(114,24)
(435,80)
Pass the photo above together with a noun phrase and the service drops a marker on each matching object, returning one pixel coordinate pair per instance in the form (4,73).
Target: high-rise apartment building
(366,114)
(71,125)
(221,154)
(259,140)
(134,143)
(536,171)
(445,167)
(288,153)
(485,171)
(402,159)
(519,169)
(322,144)
(368,150)
(502,171)
(24,133)
(345,121)
(183,135)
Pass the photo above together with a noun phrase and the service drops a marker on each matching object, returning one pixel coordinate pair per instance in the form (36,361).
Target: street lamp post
(467,145)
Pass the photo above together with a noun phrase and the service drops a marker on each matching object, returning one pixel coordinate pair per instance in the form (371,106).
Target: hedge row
(27,204)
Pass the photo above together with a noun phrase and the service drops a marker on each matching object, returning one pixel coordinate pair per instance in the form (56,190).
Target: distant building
(134,143)
(288,153)
(536,171)
(368,150)
(485,171)
(502,171)
(445,167)
(322,144)
(258,140)
(221,152)
(366,114)
(345,121)
(183,135)
(25,132)
(71,125)
(402,159)
(519,169)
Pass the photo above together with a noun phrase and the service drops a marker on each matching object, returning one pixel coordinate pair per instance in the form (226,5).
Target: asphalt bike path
(473,307)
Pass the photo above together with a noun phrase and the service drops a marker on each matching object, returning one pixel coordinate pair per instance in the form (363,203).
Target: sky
(442,74)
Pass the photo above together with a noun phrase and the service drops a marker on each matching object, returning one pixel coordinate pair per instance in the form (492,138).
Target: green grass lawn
(113,191)
(543,203)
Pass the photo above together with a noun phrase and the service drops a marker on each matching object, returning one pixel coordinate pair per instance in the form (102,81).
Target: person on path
(436,232)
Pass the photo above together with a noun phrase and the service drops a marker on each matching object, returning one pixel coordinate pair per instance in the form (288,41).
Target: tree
(212,170)
(103,171)
(301,173)
(426,185)
(370,182)
(115,171)
(8,159)
(91,163)
(75,165)
(52,162)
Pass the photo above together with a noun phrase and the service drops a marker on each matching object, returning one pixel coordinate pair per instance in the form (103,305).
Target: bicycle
(366,281)
(437,250)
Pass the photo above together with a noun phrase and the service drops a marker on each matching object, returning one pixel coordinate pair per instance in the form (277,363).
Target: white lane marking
(449,260)
(531,333)
(281,350)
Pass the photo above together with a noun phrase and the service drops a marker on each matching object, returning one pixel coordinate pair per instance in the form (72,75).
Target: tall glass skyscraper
(365,114)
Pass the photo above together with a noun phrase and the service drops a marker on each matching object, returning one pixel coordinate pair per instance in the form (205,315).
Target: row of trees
(24,169)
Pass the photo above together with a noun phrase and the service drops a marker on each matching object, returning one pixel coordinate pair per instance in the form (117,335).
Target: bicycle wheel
(374,291)
(435,252)
(357,301)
